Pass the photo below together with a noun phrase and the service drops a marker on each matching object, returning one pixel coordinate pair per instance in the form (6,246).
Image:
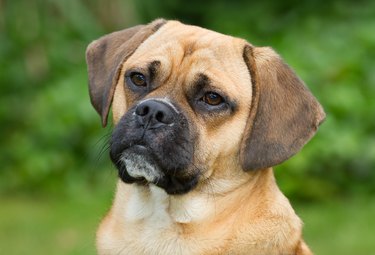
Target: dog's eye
(138,79)
(212,98)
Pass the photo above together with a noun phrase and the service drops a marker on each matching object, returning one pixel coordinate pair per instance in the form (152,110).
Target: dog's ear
(104,58)
(284,115)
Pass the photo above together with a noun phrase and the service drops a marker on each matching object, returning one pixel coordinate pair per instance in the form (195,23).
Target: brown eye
(212,98)
(138,79)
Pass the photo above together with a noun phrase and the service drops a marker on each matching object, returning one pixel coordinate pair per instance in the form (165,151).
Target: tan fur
(231,211)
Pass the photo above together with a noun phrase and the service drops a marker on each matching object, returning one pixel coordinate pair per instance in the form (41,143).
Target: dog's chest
(155,221)
(153,206)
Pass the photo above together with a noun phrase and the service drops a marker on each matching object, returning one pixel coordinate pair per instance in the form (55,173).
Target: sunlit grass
(341,227)
(63,224)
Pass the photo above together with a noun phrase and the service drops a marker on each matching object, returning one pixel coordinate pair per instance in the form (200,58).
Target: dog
(200,118)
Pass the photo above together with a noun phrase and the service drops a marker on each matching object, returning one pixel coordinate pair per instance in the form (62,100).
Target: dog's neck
(147,218)
(152,202)
(137,202)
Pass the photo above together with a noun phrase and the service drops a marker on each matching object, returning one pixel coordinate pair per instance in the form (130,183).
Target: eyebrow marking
(153,69)
(201,81)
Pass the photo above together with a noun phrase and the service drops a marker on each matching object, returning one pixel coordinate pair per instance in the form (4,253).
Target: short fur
(233,206)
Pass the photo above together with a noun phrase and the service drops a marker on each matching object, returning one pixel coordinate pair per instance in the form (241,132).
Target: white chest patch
(155,205)
(156,215)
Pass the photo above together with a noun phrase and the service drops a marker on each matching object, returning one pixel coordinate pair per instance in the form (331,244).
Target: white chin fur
(137,166)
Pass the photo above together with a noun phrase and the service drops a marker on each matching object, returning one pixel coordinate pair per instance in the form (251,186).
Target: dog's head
(189,103)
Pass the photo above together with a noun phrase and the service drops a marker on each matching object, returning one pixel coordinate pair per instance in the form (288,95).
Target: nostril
(159,116)
(142,111)
(145,111)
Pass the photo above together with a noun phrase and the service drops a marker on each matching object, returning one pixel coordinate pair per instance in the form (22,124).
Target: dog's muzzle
(152,143)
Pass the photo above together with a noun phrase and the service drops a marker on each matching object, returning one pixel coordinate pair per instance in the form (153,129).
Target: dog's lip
(140,147)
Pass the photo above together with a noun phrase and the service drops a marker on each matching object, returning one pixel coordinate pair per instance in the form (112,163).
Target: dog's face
(187,100)
(190,104)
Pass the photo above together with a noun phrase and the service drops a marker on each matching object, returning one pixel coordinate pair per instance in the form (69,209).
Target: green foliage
(50,132)
(51,136)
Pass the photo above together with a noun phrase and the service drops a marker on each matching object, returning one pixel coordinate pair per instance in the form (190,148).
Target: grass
(46,227)
(343,227)
(66,224)
(62,224)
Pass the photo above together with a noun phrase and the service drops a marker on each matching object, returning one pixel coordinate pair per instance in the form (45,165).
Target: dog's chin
(137,166)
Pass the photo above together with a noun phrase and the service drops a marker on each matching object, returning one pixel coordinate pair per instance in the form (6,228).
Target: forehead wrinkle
(180,61)
(188,49)
(187,61)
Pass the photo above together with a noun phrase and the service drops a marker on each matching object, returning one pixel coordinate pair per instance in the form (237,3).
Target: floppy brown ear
(104,58)
(284,114)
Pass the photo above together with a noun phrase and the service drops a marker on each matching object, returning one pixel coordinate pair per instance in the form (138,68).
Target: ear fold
(104,58)
(284,114)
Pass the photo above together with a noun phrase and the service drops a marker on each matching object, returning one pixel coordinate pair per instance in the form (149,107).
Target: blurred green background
(56,180)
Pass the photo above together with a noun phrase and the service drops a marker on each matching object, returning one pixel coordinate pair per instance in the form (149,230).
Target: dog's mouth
(152,145)
(136,165)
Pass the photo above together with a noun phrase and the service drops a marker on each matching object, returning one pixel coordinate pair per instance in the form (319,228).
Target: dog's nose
(154,114)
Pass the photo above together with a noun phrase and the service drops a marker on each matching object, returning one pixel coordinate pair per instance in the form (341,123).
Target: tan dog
(200,119)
